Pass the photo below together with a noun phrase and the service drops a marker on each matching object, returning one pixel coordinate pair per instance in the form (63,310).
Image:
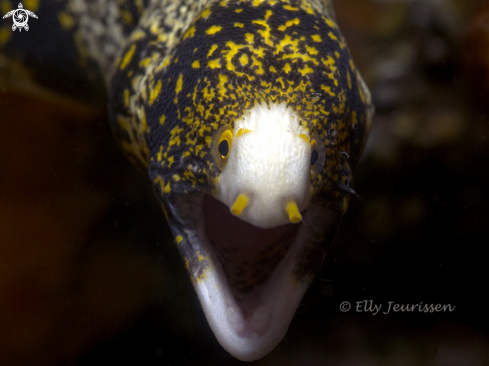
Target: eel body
(248,117)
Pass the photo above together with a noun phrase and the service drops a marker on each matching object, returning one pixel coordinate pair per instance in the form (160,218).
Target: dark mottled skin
(177,71)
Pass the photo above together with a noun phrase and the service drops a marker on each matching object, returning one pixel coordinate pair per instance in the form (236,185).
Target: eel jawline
(249,290)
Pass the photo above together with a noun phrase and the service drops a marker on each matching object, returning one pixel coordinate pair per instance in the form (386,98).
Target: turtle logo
(20,17)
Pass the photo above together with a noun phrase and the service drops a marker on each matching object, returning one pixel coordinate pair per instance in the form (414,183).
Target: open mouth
(249,280)
(248,258)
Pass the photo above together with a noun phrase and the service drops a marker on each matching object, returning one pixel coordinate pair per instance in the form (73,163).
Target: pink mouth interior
(248,255)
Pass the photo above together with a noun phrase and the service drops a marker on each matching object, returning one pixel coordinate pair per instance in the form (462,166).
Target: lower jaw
(249,293)
(248,318)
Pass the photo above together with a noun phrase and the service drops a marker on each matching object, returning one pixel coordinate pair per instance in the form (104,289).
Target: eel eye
(221,146)
(224,148)
(314,156)
(318,155)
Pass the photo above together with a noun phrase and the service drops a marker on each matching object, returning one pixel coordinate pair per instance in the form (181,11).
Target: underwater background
(89,273)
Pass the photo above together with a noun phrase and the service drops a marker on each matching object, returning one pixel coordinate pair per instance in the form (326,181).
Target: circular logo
(20,17)
(345,306)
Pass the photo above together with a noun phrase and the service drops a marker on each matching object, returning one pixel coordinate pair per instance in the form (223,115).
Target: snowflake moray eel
(248,117)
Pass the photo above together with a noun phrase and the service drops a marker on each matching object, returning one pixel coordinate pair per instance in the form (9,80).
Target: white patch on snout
(270,165)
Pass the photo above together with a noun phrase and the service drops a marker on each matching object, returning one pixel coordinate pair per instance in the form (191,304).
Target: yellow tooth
(239,205)
(293,212)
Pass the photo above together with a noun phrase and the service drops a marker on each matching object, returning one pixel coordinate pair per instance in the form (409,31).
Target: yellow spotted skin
(217,66)
(178,70)
(216,60)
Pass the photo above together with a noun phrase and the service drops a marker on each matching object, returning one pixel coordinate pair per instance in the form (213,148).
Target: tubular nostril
(294,215)
(239,205)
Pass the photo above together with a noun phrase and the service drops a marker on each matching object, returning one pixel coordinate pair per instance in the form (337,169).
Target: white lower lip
(252,337)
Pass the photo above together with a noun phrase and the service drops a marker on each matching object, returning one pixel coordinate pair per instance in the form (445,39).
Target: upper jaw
(269,164)
(248,313)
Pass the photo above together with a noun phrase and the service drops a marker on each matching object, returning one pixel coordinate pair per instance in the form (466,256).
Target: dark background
(89,273)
